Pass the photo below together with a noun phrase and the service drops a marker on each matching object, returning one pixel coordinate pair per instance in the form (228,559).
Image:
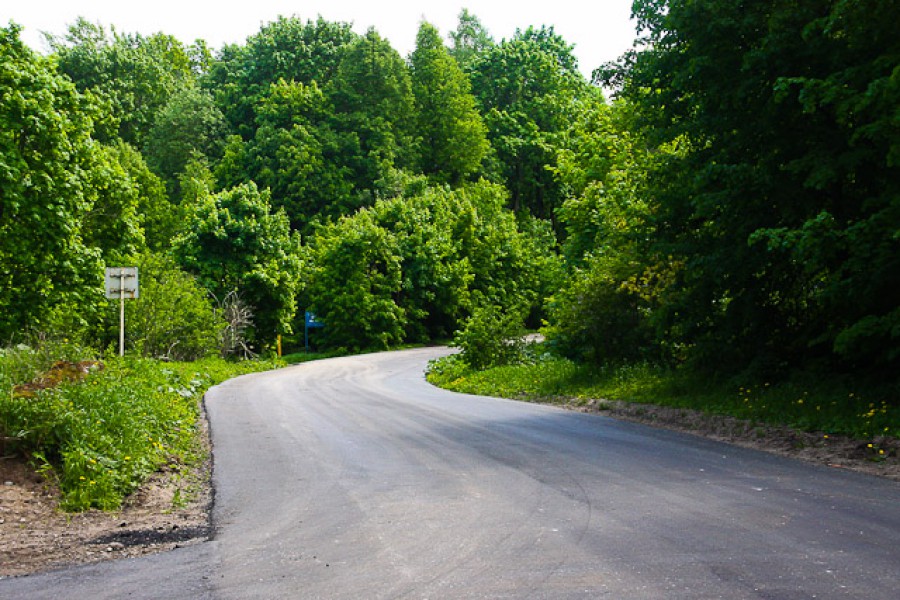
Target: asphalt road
(353,478)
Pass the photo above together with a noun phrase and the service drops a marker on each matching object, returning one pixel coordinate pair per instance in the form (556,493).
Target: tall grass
(102,436)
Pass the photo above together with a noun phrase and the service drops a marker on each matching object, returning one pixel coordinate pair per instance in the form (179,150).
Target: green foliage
(412,269)
(102,437)
(783,208)
(286,49)
(298,155)
(115,194)
(452,140)
(48,167)
(527,89)
(607,308)
(189,126)
(491,337)
(597,317)
(436,275)
(158,217)
(469,40)
(173,318)
(234,242)
(353,283)
(134,75)
(373,103)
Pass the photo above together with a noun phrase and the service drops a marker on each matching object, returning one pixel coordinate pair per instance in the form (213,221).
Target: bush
(101,437)
(491,337)
(173,318)
(601,315)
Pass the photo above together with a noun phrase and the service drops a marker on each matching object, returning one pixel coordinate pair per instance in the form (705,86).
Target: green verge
(103,436)
(832,406)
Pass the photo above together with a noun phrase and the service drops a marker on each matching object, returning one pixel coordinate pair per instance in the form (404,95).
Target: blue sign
(309,322)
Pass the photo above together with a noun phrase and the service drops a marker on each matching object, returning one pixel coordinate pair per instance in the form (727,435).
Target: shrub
(173,318)
(491,337)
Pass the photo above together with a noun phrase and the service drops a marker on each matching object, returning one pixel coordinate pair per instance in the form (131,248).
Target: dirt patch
(36,536)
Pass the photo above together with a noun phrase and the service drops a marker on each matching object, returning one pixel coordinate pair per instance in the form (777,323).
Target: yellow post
(279,345)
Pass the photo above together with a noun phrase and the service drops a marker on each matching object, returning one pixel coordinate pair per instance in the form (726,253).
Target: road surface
(354,478)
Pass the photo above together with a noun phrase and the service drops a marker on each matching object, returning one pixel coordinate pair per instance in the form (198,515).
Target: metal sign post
(121,283)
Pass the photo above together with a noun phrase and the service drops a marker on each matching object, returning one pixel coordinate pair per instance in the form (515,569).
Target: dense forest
(731,205)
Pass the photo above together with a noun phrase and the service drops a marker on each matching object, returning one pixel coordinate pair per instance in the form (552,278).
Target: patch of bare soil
(880,456)
(35,535)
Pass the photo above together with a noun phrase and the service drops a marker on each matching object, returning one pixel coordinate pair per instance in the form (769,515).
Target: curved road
(354,478)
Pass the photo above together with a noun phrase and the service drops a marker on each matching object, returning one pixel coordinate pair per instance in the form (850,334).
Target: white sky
(599,29)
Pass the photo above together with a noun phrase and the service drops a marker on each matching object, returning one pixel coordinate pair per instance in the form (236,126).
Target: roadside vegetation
(835,406)
(719,232)
(99,428)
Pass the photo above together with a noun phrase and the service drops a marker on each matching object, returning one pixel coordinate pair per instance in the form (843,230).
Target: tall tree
(469,40)
(527,88)
(783,207)
(296,153)
(66,202)
(452,140)
(373,102)
(288,49)
(134,75)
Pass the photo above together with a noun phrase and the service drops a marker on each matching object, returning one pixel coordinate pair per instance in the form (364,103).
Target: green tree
(190,125)
(436,275)
(234,242)
(414,268)
(355,277)
(134,75)
(783,206)
(469,40)
(373,105)
(286,49)
(298,155)
(527,89)
(452,140)
(49,165)
(158,217)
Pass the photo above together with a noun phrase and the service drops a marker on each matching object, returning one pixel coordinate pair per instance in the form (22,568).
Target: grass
(101,435)
(301,357)
(830,405)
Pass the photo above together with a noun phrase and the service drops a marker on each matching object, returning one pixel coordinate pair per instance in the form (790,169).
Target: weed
(102,435)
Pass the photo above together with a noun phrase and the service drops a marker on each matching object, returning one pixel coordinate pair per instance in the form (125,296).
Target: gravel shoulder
(36,536)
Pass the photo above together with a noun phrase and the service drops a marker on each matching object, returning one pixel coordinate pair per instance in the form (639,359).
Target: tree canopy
(732,209)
